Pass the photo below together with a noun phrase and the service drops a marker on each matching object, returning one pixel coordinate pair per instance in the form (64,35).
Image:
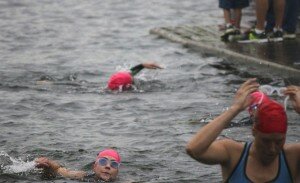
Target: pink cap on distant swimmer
(118,79)
(271,116)
(111,153)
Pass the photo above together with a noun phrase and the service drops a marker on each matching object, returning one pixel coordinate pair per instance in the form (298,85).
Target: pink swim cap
(118,79)
(111,153)
(271,116)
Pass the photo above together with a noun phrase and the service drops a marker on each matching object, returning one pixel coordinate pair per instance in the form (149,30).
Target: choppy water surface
(79,44)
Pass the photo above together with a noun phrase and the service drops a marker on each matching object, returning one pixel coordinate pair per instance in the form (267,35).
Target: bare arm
(50,165)
(136,69)
(294,93)
(151,66)
(203,146)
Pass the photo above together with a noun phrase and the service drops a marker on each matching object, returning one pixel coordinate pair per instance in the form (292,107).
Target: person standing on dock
(232,10)
(267,158)
(290,20)
(124,80)
(262,7)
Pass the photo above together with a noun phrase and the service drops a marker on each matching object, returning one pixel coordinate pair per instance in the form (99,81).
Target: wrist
(55,166)
(235,109)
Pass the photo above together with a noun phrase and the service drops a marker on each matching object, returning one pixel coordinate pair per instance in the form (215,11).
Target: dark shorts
(233,4)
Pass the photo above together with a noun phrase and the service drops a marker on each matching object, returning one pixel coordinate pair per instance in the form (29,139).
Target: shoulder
(231,145)
(292,149)
(233,148)
(292,155)
(236,147)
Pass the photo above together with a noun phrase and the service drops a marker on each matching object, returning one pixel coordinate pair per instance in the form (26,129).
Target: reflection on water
(56,58)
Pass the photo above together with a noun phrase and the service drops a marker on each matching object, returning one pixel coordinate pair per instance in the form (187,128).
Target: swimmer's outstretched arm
(204,147)
(136,69)
(294,93)
(55,167)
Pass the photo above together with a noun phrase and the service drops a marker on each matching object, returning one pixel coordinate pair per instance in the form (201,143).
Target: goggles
(104,161)
(269,90)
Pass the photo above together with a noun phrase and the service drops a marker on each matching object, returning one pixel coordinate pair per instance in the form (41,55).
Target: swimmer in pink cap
(266,158)
(105,168)
(124,80)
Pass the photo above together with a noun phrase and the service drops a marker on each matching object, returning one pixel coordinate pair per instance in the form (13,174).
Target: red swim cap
(118,79)
(111,153)
(271,116)
(257,98)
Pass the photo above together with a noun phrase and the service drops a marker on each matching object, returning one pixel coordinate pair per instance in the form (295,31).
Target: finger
(249,87)
(249,81)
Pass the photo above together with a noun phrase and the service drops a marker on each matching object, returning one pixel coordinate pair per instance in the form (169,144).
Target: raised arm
(294,93)
(55,167)
(203,146)
(136,69)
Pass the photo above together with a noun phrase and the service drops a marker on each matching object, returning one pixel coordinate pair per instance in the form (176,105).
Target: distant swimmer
(66,80)
(105,168)
(123,80)
(267,158)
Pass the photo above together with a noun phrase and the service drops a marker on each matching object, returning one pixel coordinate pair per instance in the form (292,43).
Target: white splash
(16,165)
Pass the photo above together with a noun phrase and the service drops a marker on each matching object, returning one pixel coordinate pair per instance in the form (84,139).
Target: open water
(78,45)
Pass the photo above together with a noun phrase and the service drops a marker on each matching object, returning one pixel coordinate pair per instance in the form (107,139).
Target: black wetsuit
(136,69)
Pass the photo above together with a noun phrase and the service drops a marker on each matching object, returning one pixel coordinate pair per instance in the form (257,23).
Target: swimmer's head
(107,164)
(111,153)
(120,79)
(269,116)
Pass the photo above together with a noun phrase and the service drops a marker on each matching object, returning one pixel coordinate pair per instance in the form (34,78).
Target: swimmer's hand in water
(151,66)
(44,162)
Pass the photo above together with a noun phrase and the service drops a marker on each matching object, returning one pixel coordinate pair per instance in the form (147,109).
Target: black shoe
(277,36)
(230,31)
(255,37)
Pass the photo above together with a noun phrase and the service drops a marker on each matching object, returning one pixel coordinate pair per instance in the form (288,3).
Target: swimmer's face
(269,145)
(104,169)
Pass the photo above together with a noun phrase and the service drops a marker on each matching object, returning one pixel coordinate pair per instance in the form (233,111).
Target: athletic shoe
(229,32)
(229,29)
(287,35)
(255,37)
(277,36)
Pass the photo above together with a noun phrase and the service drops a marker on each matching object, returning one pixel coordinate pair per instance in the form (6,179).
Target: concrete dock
(281,57)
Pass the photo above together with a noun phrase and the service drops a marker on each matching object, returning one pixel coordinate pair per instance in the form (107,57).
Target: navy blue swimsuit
(239,173)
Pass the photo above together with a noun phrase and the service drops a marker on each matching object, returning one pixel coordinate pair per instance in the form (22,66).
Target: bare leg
(261,12)
(227,16)
(279,12)
(238,17)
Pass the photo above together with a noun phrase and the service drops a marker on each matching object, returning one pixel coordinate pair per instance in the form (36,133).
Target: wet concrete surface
(286,52)
(283,56)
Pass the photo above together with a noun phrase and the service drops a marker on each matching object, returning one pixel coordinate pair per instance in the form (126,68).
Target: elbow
(189,150)
(196,152)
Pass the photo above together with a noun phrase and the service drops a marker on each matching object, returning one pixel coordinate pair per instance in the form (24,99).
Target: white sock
(228,25)
(257,31)
(277,29)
